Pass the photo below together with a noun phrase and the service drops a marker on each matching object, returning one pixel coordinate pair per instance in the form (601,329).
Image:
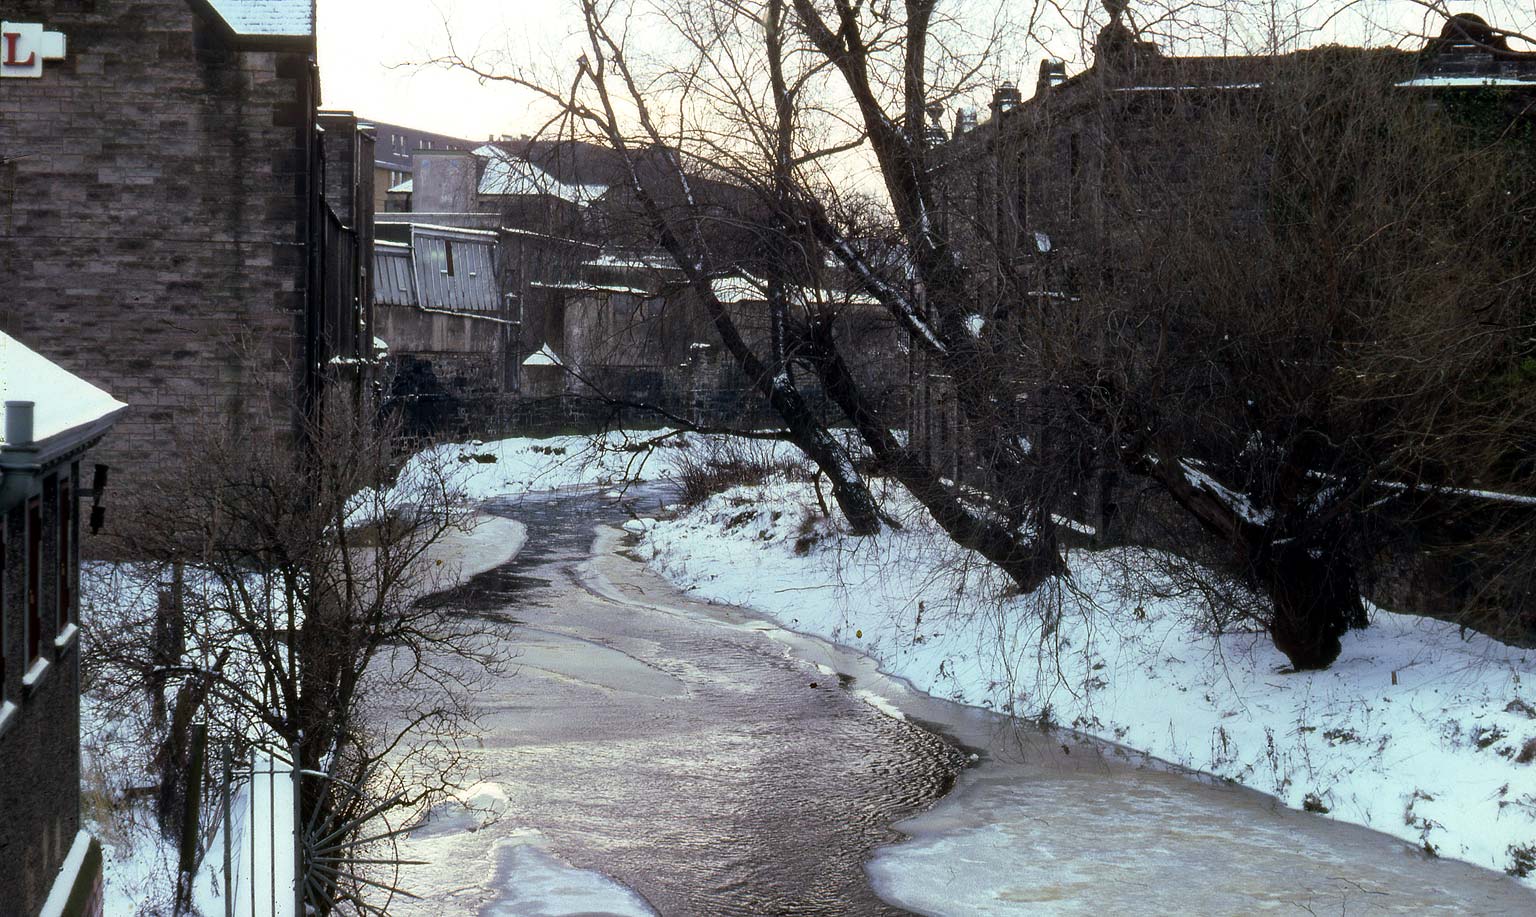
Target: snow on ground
(140,864)
(539,884)
(528,879)
(1419,730)
(514,467)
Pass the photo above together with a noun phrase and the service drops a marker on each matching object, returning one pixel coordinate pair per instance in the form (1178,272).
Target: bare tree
(1282,301)
(1291,295)
(761,71)
(299,627)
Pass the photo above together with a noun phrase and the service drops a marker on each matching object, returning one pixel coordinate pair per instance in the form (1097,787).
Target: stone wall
(154,242)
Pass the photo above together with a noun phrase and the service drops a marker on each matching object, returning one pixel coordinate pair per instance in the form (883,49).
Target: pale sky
(367,47)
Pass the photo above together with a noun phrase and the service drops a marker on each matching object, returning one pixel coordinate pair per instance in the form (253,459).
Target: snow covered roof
(1191,87)
(546,237)
(747,288)
(403,187)
(511,175)
(267,18)
(1462,80)
(441,229)
(544,356)
(66,408)
(579,286)
(655,262)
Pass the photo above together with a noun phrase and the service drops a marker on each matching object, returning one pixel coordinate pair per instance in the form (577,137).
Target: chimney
(444,181)
(934,134)
(1052,73)
(18,423)
(1005,98)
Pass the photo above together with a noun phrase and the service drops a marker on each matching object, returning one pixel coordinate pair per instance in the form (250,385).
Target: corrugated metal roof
(394,279)
(455,269)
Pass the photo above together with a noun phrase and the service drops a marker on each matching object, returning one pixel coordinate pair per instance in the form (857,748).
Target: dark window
(7,194)
(34,621)
(66,554)
(1075,167)
(448,254)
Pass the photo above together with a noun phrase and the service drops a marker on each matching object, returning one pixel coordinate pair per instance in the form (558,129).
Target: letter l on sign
(24,46)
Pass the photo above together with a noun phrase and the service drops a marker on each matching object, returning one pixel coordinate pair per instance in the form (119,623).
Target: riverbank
(1418,731)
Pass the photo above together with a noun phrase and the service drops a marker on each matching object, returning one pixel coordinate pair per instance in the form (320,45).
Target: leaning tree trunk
(1027,559)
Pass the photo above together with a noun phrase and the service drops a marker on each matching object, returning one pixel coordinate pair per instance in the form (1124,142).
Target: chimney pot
(18,423)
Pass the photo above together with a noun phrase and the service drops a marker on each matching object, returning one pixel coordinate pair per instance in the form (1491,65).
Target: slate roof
(267,18)
(511,175)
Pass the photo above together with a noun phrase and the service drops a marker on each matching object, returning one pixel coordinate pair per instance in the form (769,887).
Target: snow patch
(535,883)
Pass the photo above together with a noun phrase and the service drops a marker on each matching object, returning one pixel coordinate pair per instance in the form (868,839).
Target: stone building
(1074,190)
(51,418)
(174,221)
(1120,221)
(395,150)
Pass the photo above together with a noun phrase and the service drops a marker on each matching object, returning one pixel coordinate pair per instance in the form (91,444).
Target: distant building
(1056,194)
(394,154)
(451,303)
(580,312)
(175,221)
(51,418)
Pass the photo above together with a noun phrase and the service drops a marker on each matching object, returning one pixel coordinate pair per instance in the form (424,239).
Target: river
(650,753)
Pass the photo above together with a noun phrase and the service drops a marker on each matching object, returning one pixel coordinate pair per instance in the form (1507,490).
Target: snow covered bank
(1418,730)
(119,771)
(522,465)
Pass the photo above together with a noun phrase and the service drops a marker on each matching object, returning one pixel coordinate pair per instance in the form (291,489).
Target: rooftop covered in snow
(67,411)
(506,174)
(274,24)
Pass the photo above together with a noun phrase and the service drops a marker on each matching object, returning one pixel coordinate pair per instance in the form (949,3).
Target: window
(33,625)
(65,561)
(448,254)
(1075,176)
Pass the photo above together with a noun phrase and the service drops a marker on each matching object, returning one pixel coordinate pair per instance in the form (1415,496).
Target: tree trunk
(1029,560)
(1317,598)
(1315,589)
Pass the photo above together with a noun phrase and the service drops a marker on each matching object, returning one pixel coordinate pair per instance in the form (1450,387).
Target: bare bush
(293,624)
(714,465)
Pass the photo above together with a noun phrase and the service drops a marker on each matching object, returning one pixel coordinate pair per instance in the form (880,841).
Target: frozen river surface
(653,754)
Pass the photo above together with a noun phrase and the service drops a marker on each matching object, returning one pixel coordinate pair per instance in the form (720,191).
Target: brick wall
(153,242)
(40,746)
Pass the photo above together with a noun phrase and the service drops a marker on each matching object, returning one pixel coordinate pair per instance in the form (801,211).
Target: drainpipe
(18,456)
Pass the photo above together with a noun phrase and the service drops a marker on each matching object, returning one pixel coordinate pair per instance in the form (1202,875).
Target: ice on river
(1021,841)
